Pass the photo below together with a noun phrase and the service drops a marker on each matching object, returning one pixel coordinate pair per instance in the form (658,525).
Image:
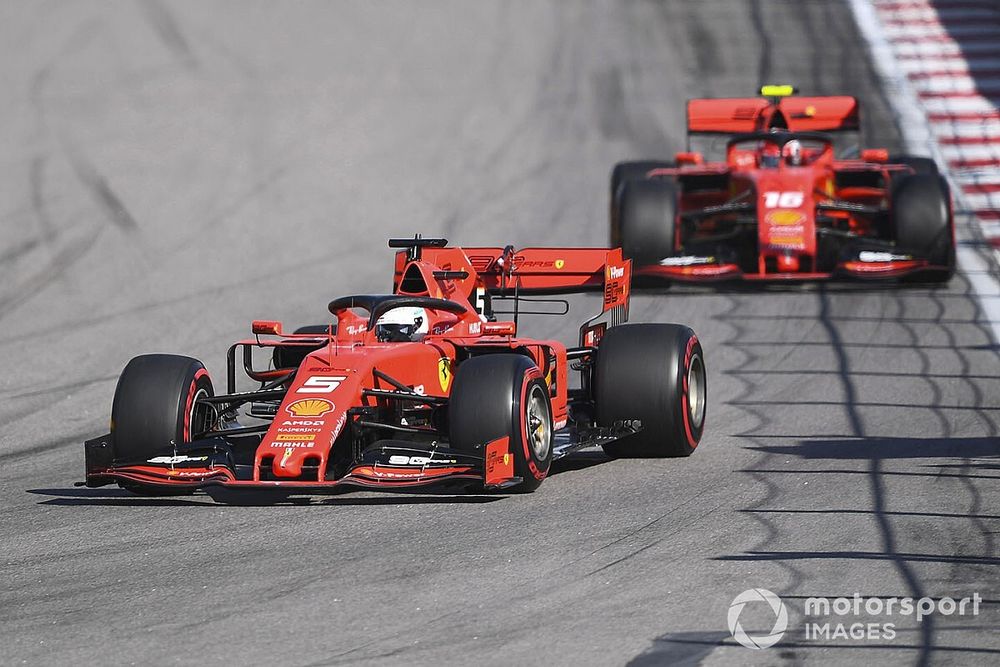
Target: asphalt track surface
(173,171)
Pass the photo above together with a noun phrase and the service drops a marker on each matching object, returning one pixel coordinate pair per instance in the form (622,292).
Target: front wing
(389,464)
(864,265)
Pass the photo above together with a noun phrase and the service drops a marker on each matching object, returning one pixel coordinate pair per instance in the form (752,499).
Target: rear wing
(506,272)
(739,115)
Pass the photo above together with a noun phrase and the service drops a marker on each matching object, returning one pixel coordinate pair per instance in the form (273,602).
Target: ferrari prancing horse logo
(444,373)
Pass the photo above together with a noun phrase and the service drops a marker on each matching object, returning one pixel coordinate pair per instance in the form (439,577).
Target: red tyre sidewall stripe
(532,374)
(192,390)
(685,411)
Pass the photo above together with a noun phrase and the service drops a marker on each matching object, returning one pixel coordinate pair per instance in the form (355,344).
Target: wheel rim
(539,423)
(696,391)
(201,415)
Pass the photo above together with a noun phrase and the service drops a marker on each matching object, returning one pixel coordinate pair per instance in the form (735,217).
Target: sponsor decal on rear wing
(738,115)
(502,271)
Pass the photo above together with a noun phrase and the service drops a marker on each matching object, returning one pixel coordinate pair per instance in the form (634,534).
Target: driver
(770,154)
(792,153)
(402,325)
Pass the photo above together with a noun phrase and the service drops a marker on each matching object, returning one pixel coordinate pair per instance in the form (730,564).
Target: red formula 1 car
(780,204)
(417,387)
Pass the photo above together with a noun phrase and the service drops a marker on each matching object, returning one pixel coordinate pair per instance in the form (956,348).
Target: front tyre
(648,218)
(155,407)
(654,373)
(921,216)
(504,395)
(622,173)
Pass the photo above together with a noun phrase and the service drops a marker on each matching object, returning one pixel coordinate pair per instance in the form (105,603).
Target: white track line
(925,49)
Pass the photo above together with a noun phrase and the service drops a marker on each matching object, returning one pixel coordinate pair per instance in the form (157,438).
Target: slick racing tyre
(921,219)
(654,373)
(154,407)
(499,395)
(623,172)
(648,213)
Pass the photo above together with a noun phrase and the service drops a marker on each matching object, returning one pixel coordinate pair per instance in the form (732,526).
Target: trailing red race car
(417,387)
(781,203)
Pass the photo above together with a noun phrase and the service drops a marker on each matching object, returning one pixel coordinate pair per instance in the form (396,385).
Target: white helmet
(793,153)
(406,323)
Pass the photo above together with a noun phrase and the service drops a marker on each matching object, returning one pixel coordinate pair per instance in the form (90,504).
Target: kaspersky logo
(755,596)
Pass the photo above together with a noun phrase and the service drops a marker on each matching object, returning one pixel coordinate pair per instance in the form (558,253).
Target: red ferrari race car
(421,386)
(783,200)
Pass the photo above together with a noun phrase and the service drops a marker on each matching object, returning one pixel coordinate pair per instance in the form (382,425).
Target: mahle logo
(780,618)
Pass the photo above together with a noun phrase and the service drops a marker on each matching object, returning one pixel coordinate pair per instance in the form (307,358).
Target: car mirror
(875,155)
(272,327)
(689,158)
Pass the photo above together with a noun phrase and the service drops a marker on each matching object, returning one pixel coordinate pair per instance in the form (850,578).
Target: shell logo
(310,407)
(785,217)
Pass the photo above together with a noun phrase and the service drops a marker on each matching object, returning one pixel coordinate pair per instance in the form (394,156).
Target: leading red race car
(421,386)
(781,203)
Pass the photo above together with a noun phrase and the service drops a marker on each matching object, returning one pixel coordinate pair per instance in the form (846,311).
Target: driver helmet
(793,153)
(770,154)
(401,325)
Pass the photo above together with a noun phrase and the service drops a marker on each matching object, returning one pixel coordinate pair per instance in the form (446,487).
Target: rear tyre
(155,408)
(627,171)
(920,165)
(498,395)
(921,216)
(654,373)
(648,218)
